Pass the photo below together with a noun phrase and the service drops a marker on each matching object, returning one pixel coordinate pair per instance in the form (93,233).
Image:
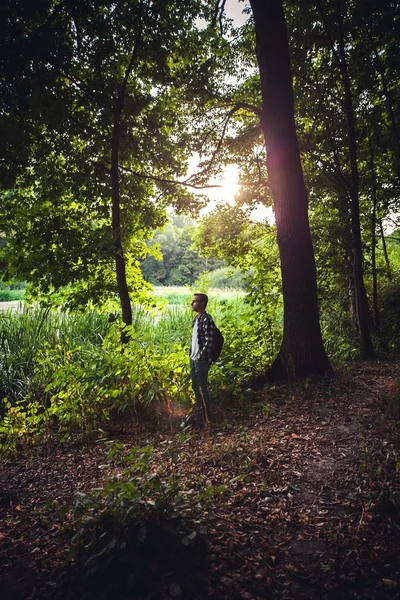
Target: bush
(227,278)
(11,295)
(390,314)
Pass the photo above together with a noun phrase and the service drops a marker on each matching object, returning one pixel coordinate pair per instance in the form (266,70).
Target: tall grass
(71,367)
(24,335)
(182,295)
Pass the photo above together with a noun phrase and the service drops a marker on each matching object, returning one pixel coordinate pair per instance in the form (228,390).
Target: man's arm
(208,327)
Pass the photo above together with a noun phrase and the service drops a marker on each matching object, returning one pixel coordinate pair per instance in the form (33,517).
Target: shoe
(190,422)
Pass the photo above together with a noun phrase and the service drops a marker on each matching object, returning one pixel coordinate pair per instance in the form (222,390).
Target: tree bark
(302,353)
(120,266)
(362,310)
(385,252)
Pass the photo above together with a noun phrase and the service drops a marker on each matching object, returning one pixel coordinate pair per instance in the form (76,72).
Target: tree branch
(218,12)
(157,179)
(236,108)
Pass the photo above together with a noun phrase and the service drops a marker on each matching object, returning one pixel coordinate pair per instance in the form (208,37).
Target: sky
(234,9)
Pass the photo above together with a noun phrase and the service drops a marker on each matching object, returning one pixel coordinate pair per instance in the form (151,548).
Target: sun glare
(228,186)
(225,193)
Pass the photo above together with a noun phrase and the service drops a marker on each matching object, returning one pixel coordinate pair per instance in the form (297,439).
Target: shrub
(390,314)
(10,295)
(227,278)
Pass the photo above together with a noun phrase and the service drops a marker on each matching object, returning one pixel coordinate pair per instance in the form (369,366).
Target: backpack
(217,345)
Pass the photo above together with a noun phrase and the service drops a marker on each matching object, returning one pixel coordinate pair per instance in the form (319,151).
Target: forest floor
(309,506)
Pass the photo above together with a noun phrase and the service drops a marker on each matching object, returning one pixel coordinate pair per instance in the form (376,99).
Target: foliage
(107,88)
(370,57)
(13,291)
(390,314)
(249,348)
(179,263)
(24,335)
(8,295)
(68,371)
(79,385)
(228,232)
(227,278)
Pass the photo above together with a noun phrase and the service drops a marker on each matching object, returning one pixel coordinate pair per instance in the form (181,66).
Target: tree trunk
(362,310)
(120,267)
(302,353)
(385,252)
(373,234)
(374,273)
(122,284)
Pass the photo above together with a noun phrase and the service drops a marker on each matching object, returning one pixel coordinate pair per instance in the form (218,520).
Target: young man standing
(203,337)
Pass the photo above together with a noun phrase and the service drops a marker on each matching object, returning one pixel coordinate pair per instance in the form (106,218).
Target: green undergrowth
(66,371)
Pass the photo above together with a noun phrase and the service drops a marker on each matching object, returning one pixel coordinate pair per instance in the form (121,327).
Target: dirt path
(321,515)
(309,509)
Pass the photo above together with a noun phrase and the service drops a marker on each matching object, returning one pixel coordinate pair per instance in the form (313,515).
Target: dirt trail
(329,495)
(311,507)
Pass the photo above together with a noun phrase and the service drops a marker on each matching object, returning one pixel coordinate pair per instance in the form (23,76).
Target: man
(203,337)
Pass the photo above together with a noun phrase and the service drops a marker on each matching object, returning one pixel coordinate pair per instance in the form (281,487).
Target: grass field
(172,294)
(182,295)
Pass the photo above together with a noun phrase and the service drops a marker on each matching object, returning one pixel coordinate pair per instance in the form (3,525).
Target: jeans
(199,376)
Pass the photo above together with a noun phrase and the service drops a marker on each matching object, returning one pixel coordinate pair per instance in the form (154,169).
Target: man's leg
(203,400)
(197,414)
(199,377)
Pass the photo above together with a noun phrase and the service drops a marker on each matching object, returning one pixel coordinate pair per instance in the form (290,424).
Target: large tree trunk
(302,353)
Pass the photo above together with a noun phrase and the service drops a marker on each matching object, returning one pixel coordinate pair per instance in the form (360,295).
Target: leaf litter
(299,501)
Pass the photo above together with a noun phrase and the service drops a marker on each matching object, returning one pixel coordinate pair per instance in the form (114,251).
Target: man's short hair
(202,297)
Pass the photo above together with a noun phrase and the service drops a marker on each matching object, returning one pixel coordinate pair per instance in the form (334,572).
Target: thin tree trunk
(120,266)
(122,284)
(385,252)
(373,235)
(302,353)
(362,310)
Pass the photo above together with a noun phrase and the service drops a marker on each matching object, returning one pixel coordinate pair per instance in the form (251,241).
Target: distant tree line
(178,262)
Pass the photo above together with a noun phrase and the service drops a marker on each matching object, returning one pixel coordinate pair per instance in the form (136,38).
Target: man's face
(196,304)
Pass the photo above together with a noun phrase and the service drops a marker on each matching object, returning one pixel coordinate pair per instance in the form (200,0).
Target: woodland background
(103,107)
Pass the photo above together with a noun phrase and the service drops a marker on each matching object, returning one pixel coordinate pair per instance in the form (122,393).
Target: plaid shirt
(206,336)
